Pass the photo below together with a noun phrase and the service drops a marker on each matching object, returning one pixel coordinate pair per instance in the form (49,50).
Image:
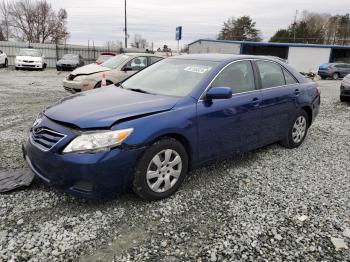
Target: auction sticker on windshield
(200,69)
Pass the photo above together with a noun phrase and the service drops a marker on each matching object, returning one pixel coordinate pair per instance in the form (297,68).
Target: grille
(28,61)
(45,138)
(71,77)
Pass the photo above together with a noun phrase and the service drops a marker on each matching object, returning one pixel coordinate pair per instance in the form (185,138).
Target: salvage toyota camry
(147,132)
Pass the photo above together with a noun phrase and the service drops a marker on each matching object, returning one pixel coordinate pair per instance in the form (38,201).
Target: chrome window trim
(260,89)
(40,146)
(222,69)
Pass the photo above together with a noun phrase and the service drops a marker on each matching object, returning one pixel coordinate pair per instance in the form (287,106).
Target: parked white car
(30,58)
(3,59)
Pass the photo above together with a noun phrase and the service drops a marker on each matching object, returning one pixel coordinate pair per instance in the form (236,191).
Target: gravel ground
(273,204)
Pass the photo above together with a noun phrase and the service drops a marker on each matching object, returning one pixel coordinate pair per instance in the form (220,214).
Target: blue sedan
(148,131)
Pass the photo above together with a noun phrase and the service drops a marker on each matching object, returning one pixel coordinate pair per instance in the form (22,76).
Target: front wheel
(161,170)
(335,76)
(297,130)
(6,63)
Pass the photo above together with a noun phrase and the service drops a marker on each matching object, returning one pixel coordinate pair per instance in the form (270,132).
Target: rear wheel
(297,130)
(335,76)
(161,170)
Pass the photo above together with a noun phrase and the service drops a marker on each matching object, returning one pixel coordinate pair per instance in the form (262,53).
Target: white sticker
(199,69)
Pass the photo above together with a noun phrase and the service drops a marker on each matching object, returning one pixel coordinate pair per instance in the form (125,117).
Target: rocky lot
(273,204)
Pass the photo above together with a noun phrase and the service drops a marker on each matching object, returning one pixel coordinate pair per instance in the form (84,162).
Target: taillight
(318,91)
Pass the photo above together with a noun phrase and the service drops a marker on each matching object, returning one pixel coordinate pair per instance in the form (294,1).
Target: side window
(154,59)
(238,76)
(271,74)
(137,63)
(290,80)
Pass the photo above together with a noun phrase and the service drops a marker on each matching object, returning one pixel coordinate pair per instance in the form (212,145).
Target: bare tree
(36,21)
(5,27)
(139,42)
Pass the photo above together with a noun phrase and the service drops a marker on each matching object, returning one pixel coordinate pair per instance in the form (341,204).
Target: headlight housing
(97,141)
(79,78)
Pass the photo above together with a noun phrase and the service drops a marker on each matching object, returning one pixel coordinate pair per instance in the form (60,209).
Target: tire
(166,179)
(295,138)
(343,99)
(16,68)
(6,63)
(98,85)
(335,76)
(323,77)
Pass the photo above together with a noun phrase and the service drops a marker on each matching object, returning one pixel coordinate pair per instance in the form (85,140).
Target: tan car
(115,69)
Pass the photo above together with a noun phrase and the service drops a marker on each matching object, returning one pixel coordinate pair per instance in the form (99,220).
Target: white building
(303,57)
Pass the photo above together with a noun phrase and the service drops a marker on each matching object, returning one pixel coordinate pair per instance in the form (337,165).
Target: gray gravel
(273,204)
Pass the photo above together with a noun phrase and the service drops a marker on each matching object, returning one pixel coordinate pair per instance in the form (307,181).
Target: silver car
(115,70)
(345,89)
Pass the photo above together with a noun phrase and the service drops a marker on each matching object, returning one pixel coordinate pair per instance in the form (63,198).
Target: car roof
(140,54)
(221,57)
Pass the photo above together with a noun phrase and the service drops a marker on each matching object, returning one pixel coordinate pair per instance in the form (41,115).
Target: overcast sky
(103,20)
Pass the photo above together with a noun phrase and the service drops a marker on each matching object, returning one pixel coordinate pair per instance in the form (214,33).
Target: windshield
(174,77)
(104,58)
(70,57)
(115,61)
(30,52)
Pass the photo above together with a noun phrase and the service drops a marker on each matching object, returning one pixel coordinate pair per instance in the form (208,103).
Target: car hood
(103,107)
(31,58)
(67,61)
(89,69)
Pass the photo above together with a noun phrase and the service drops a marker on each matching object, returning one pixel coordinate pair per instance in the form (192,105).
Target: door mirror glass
(219,93)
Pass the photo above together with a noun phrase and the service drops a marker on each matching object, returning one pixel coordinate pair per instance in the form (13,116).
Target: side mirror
(127,69)
(219,93)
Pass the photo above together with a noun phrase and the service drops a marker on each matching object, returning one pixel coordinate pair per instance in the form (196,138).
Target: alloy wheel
(299,129)
(164,170)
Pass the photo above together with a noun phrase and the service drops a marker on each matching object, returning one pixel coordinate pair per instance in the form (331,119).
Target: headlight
(79,78)
(19,60)
(97,141)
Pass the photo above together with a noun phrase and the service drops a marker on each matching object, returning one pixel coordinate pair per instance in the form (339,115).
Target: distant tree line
(32,21)
(312,28)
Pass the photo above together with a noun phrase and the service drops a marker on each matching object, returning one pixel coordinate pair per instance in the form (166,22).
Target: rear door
(230,125)
(279,93)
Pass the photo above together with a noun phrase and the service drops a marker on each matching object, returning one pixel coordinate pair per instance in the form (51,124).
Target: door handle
(256,101)
(297,92)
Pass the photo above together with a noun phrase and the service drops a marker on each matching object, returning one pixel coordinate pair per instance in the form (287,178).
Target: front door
(134,65)
(230,125)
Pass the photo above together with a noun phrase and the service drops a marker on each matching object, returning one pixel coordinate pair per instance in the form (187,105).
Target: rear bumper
(316,107)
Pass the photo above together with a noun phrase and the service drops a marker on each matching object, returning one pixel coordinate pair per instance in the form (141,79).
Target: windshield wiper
(139,90)
(119,84)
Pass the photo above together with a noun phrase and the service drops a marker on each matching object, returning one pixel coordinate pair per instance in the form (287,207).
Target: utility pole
(126,29)
(295,24)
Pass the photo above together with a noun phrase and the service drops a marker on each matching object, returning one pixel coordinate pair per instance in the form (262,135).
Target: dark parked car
(103,57)
(345,89)
(69,62)
(177,114)
(333,70)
